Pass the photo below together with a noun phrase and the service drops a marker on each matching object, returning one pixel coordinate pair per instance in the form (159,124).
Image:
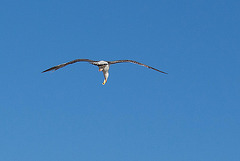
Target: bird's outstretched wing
(65,64)
(135,62)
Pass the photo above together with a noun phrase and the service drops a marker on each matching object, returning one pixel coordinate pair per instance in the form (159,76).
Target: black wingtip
(50,69)
(161,71)
(47,70)
(44,71)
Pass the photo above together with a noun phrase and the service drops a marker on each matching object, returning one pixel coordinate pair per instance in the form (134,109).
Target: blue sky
(139,115)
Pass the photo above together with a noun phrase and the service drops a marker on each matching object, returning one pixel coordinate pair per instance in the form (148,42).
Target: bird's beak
(100,69)
(105,81)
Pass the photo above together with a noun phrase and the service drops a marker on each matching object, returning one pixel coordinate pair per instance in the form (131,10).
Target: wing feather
(135,62)
(65,64)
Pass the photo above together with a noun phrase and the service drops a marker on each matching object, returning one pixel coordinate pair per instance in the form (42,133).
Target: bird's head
(103,68)
(100,68)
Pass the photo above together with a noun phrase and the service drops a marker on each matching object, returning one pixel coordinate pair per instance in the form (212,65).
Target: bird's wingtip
(47,71)
(44,71)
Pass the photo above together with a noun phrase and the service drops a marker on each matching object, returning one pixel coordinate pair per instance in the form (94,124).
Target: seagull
(102,65)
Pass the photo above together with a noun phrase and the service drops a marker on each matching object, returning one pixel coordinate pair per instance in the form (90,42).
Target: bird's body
(102,65)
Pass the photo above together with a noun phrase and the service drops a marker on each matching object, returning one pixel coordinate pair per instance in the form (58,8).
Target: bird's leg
(105,80)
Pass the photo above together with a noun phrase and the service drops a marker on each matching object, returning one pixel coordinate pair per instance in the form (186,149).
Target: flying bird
(102,65)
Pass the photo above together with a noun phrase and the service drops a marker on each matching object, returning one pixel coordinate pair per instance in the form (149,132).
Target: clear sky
(191,114)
